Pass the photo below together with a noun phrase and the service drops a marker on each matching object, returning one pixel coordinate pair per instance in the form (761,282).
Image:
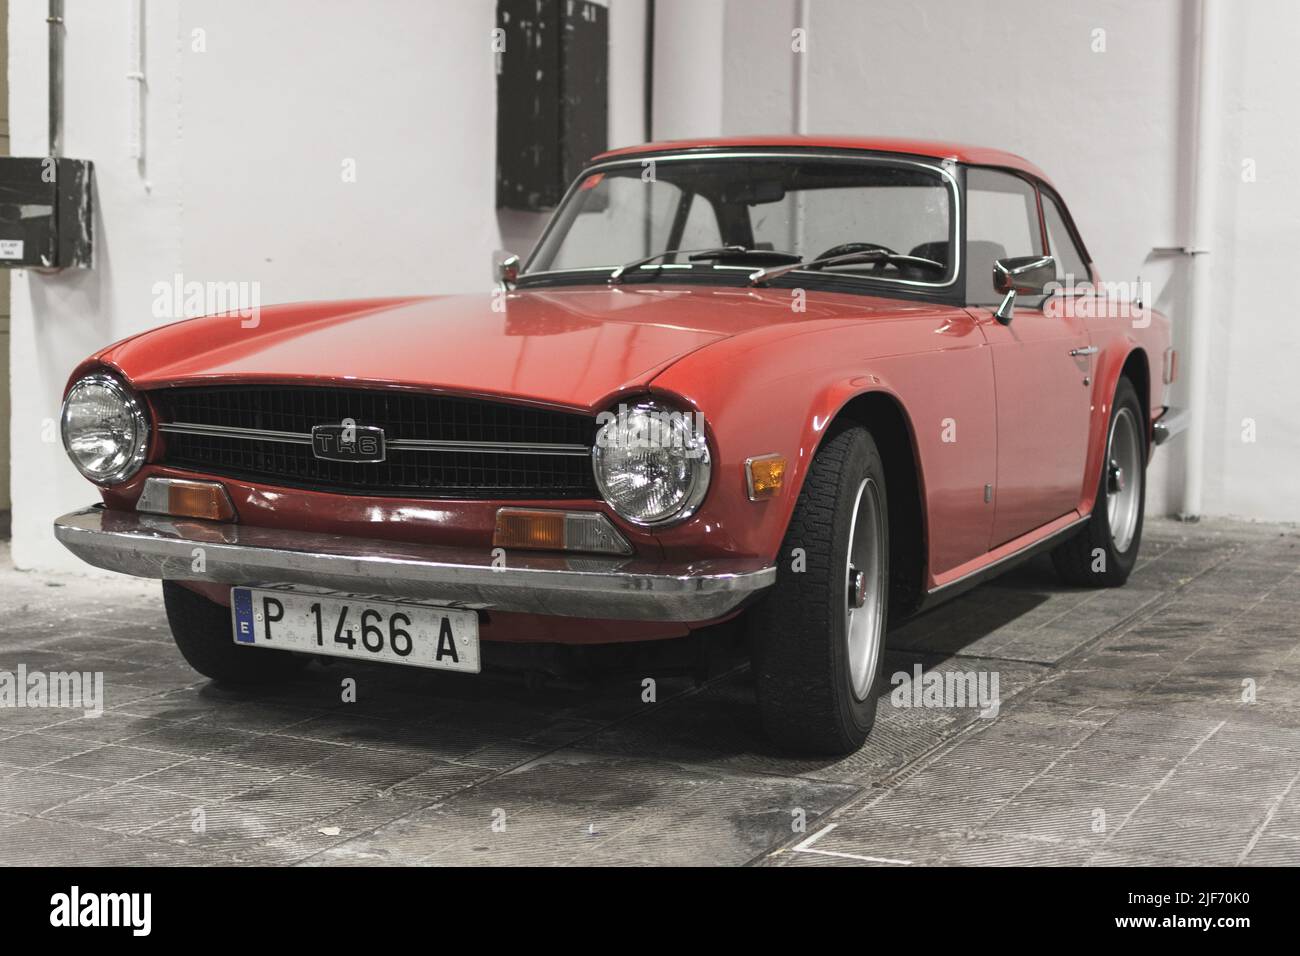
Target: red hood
(574,347)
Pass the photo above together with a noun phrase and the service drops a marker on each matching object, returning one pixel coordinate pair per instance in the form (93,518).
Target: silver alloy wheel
(1124,476)
(864,586)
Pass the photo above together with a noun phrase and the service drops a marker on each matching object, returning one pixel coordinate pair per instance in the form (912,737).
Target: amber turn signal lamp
(529,529)
(764,476)
(535,529)
(186,499)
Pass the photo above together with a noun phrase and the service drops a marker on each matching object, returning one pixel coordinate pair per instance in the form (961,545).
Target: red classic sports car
(812,384)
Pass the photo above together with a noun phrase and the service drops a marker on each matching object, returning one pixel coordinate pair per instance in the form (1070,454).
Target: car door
(1042,363)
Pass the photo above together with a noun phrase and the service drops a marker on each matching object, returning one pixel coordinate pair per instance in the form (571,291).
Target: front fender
(729,523)
(769,391)
(832,403)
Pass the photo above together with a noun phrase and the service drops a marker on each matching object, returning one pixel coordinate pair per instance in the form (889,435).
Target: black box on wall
(552,96)
(45,214)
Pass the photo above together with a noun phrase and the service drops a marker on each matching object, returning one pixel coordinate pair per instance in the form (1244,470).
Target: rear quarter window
(1070,264)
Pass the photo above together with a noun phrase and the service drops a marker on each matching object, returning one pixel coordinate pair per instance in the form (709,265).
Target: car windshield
(754,213)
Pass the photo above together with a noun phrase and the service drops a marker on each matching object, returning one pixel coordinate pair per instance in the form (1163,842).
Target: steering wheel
(844,248)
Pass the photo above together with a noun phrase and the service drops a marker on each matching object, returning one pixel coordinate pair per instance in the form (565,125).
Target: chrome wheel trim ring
(1124,477)
(864,626)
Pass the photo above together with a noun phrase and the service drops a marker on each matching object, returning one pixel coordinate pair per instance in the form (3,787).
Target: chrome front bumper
(630,589)
(1171,422)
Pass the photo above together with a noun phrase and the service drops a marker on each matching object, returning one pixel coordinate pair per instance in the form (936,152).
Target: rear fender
(1111,362)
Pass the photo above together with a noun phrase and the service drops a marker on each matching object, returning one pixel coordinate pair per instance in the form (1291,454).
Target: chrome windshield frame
(946,171)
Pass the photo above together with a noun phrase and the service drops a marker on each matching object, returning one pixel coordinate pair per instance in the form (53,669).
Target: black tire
(798,631)
(202,631)
(1091,558)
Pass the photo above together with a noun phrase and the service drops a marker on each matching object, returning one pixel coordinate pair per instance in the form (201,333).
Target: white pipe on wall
(799,104)
(1203,199)
(799,111)
(135,76)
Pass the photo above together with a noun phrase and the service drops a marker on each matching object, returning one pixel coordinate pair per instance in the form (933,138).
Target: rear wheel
(818,635)
(1104,552)
(202,631)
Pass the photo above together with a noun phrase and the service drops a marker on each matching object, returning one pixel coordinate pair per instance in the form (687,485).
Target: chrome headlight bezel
(133,407)
(694,449)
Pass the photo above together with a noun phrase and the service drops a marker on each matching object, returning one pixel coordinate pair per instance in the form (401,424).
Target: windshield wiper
(773,272)
(616,276)
(847,258)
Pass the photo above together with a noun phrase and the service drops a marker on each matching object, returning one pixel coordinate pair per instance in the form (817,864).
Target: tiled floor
(1123,736)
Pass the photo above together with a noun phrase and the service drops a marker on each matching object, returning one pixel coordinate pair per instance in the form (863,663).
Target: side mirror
(1026,275)
(508,271)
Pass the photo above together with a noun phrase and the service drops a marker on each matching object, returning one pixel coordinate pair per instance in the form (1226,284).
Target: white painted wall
(245,144)
(688,68)
(1255,333)
(4,274)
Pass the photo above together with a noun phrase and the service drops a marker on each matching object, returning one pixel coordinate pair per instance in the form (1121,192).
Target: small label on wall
(11,248)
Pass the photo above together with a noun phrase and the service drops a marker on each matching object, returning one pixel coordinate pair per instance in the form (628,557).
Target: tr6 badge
(348,442)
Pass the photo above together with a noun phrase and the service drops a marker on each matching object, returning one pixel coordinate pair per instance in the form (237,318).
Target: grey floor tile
(122,809)
(113,763)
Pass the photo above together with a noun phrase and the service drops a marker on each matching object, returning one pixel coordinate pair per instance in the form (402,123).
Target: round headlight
(652,463)
(105,430)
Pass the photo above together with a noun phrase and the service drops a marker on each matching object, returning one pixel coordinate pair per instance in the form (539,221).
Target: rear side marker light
(764,476)
(535,529)
(182,498)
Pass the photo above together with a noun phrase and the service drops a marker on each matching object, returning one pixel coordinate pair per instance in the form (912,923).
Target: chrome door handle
(1090,350)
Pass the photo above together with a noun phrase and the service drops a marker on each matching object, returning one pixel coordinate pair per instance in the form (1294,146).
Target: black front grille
(403,416)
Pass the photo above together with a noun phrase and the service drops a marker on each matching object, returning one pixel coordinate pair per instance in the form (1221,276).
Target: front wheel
(1103,554)
(818,635)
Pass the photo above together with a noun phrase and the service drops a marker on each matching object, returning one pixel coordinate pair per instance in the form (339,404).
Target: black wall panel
(45,212)
(552,97)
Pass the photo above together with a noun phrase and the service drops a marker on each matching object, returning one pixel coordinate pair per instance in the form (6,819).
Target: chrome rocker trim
(1171,422)
(629,589)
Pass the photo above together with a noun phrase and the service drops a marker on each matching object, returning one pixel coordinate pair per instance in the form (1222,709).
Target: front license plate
(350,625)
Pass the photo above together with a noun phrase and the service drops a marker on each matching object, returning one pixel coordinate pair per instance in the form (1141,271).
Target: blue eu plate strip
(241,599)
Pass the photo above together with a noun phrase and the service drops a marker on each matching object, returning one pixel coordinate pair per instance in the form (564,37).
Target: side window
(1001,222)
(1070,266)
